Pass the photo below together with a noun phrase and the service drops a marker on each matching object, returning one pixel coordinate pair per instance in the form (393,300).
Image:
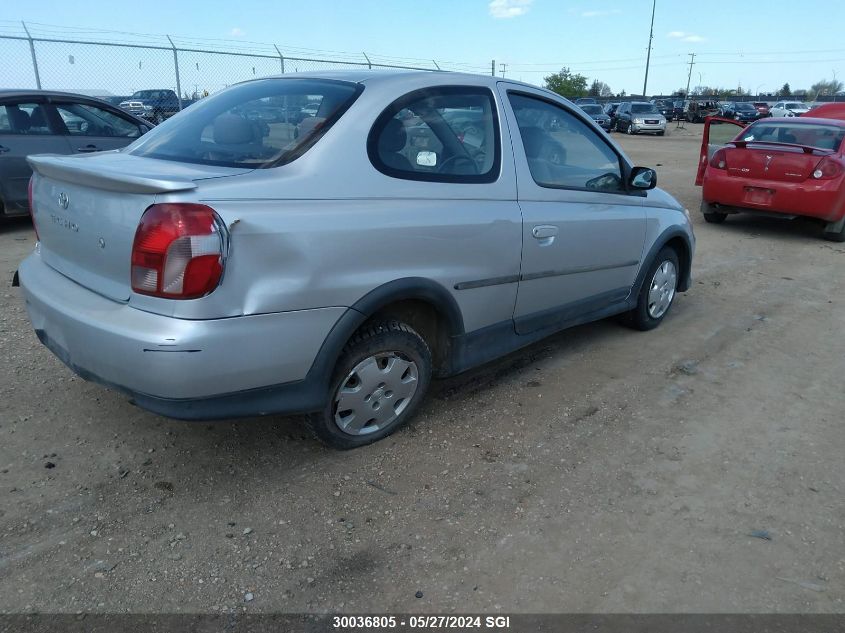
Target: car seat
(392,140)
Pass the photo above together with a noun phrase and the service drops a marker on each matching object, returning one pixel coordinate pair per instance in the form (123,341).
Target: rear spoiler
(81,172)
(808,149)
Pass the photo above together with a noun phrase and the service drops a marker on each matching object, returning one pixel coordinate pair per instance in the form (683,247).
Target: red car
(762,107)
(783,166)
(827,111)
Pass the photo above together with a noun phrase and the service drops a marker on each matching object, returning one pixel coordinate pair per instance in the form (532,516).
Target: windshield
(643,108)
(745,106)
(815,135)
(252,125)
(795,105)
(591,109)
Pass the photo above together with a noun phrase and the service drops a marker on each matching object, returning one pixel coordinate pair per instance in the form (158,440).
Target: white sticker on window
(426,159)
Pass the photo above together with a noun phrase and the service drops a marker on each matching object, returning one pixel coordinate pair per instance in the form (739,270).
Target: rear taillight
(827,169)
(178,252)
(32,208)
(719,160)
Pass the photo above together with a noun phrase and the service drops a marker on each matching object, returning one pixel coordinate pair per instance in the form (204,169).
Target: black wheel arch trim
(667,236)
(409,288)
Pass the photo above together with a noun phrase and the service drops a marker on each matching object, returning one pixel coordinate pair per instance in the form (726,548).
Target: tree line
(574,85)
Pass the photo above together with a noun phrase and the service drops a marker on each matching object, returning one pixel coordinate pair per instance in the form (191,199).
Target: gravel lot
(602,470)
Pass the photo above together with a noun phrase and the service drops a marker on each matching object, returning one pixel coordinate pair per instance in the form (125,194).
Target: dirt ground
(695,468)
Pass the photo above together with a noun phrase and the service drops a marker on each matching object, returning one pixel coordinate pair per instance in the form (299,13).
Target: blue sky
(758,45)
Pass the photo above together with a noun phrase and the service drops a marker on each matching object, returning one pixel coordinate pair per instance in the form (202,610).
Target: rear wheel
(711,215)
(379,382)
(661,133)
(835,231)
(657,292)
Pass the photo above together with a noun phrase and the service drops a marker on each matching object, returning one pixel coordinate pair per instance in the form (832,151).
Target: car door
(717,132)
(622,117)
(583,233)
(25,128)
(91,127)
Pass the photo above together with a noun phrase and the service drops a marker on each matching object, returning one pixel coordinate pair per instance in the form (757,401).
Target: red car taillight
(178,251)
(719,160)
(827,169)
(32,208)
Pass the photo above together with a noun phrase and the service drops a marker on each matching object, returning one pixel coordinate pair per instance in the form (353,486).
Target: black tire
(372,339)
(159,118)
(661,133)
(711,216)
(639,318)
(630,129)
(832,234)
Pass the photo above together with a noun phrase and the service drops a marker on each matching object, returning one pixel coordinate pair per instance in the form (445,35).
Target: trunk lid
(87,210)
(772,163)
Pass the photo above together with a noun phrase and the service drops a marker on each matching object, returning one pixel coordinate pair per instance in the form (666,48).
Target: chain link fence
(117,65)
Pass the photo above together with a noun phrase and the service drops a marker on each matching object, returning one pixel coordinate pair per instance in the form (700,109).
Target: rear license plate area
(759,195)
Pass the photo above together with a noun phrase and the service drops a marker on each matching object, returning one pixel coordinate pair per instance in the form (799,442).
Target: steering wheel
(454,159)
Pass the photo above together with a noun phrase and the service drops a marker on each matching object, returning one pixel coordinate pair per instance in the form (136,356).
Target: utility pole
(648,57)
(493,67)
(504,67)
(689,77)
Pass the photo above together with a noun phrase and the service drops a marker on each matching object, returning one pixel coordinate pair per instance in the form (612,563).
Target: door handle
(544,231)
(88,148)
(4,149)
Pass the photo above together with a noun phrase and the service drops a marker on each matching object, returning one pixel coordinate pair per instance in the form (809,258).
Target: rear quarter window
(440,134)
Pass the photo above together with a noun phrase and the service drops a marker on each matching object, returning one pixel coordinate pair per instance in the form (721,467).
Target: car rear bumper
(813,198)
(190,369)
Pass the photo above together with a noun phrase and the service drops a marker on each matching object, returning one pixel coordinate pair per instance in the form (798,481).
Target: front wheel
(657,292)
(379,382)
(631,129)
(159,118)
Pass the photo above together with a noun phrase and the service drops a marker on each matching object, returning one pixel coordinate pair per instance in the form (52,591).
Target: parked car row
(628,117)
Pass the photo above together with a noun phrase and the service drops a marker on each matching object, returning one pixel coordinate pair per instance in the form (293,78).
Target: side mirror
(642,178)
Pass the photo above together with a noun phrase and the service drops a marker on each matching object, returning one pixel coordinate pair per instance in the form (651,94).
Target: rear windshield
(591,109)
(643,108)
(815,135)
(256,124)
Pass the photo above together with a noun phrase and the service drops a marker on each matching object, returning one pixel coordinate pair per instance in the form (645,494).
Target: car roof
(805,120)
(5,93)
(385,76)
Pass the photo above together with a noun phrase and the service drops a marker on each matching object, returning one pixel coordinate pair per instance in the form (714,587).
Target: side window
(88,120)
(562,150)
(446,134)
(24,118)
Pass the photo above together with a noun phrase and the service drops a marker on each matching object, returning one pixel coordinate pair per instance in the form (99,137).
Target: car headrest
(232,129)
(310,124)
(393,137)
(38,118)
(533,138)
(19,119)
